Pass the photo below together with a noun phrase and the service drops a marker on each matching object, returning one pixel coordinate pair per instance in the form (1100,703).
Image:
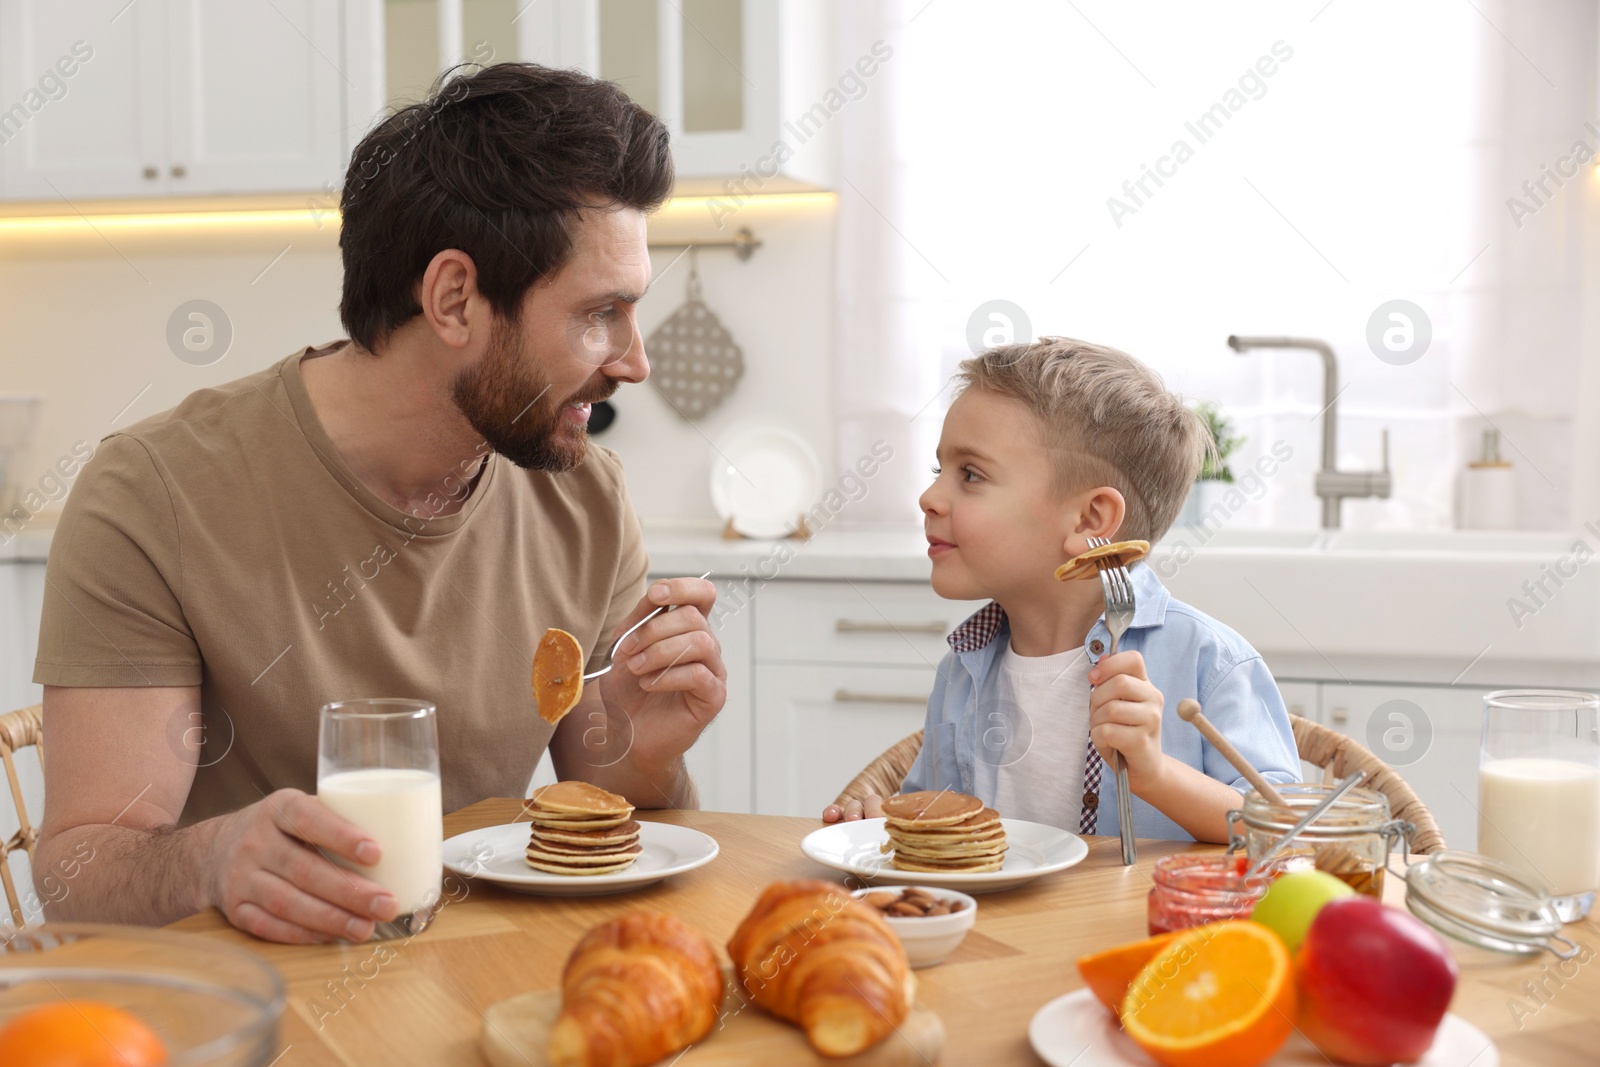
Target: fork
(618,644)
(1117,587)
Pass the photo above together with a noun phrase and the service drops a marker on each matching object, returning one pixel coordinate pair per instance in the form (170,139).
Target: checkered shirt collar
(979,629)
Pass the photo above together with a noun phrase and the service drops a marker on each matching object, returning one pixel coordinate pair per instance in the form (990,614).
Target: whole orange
(79,1033)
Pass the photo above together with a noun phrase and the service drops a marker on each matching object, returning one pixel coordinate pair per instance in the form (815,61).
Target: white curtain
(1338,156)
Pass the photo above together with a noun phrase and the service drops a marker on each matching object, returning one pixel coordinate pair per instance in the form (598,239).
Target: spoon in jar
(1311,816)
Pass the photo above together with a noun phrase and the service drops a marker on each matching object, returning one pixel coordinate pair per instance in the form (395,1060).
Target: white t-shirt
(1042,702)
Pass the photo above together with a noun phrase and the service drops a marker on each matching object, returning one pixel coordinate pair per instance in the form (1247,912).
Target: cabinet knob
(151,173)
(178,171)
(1339,716)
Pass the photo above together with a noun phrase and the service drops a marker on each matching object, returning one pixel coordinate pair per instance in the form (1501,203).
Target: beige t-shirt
(226,544)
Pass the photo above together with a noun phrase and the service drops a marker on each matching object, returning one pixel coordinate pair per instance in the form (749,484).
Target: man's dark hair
(496,163)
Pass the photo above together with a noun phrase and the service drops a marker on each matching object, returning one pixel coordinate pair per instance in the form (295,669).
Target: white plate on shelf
(498,854)
(1077,1031)
(1032,851)
(763,478)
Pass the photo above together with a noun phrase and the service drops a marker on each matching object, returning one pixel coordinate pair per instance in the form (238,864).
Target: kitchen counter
(1421,608)
(888,554)
(31,543)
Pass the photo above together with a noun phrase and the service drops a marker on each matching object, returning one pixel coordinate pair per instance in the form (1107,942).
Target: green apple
(1293,901)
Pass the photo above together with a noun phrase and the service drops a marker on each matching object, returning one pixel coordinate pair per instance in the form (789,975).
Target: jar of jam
(1351,840)
(1194,888)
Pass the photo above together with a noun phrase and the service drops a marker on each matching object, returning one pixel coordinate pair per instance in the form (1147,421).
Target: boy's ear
(1099,514)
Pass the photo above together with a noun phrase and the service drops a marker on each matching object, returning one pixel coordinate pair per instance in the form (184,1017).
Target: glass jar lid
(1484,902)
(1358,811)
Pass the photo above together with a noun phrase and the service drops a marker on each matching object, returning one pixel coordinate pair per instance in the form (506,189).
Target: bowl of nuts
(930,922)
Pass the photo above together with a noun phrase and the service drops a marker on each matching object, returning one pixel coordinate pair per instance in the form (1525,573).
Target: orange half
(1108,974)
(557,674)
(1222,993)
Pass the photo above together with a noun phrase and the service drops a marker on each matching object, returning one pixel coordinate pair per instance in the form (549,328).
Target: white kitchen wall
(86,310)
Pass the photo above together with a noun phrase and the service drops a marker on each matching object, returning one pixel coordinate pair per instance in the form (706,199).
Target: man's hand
(1125,714)
(666,684)
(266,875)
(868,807)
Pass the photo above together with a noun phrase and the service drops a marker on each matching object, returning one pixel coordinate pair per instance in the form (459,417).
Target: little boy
(1047,445)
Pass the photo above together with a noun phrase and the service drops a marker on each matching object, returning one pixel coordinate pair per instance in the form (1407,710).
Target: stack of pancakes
(943,832)
(580,829)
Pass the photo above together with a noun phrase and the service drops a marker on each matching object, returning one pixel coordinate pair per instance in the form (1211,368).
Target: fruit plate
(1077,1030)
(498,854)
(1033,850)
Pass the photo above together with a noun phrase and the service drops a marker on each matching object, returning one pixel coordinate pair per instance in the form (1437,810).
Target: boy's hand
(1125,714)
(870,807)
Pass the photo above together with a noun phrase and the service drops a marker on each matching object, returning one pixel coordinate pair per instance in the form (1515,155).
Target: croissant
(634,991)
(812,955)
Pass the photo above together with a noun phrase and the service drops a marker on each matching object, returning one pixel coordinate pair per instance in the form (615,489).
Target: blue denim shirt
(1186,653)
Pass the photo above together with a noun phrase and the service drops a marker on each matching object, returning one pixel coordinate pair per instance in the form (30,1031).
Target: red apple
(1373,983)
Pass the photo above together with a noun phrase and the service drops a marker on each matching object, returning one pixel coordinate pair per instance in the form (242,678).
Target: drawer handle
(851,696)
(856,626)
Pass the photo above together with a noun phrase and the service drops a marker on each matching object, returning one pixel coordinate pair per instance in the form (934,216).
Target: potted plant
(1215,474)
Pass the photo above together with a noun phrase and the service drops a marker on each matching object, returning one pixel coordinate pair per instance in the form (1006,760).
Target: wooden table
(400,1003)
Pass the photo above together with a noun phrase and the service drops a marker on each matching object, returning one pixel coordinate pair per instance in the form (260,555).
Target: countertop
(893,554)
(898,553)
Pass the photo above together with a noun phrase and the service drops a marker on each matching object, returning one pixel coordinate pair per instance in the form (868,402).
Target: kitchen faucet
(1332,484)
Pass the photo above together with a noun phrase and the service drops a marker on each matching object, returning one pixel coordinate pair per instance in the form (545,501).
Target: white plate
(498,854)
(764,478)
(1077,1031)
(1033,849)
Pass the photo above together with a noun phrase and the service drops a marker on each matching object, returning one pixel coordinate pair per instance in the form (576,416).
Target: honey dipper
(1333,859)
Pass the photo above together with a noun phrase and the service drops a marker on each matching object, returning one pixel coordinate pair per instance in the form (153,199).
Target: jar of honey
(1195,888)
(1351,840)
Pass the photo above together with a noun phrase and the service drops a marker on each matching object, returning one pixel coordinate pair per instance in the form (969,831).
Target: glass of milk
(378,767)
(1539,790)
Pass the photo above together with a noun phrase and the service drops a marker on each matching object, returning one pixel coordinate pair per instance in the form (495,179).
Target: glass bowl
(209,1003)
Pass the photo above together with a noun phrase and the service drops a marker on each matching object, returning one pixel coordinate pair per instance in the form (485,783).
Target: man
(402,514)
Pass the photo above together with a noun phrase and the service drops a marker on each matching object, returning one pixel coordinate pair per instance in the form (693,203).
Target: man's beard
(508,401)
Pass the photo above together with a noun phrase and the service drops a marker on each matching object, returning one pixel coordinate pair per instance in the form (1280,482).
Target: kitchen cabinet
(21,600)
(817,728)
(108,99)
(720,761)
(1430,734)
(841,670)
(1303,699)
(743,85)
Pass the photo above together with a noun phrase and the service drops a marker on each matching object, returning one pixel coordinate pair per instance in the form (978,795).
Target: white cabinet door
(1301,699)
(888,623)
(21,598)
(817,727)
(256,91)
(719,762)
(1431,735)
(732,79)
(85,102)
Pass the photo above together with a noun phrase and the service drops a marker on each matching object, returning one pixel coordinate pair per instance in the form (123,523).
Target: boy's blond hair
(1106,419)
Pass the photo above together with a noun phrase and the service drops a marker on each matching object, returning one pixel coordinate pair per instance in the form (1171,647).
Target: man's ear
(449,297)
(1099,513)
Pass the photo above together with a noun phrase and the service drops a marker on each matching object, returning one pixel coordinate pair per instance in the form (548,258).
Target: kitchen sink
(1354,596)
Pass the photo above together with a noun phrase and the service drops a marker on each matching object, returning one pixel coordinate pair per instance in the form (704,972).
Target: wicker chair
(1335,753)
(18,729)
